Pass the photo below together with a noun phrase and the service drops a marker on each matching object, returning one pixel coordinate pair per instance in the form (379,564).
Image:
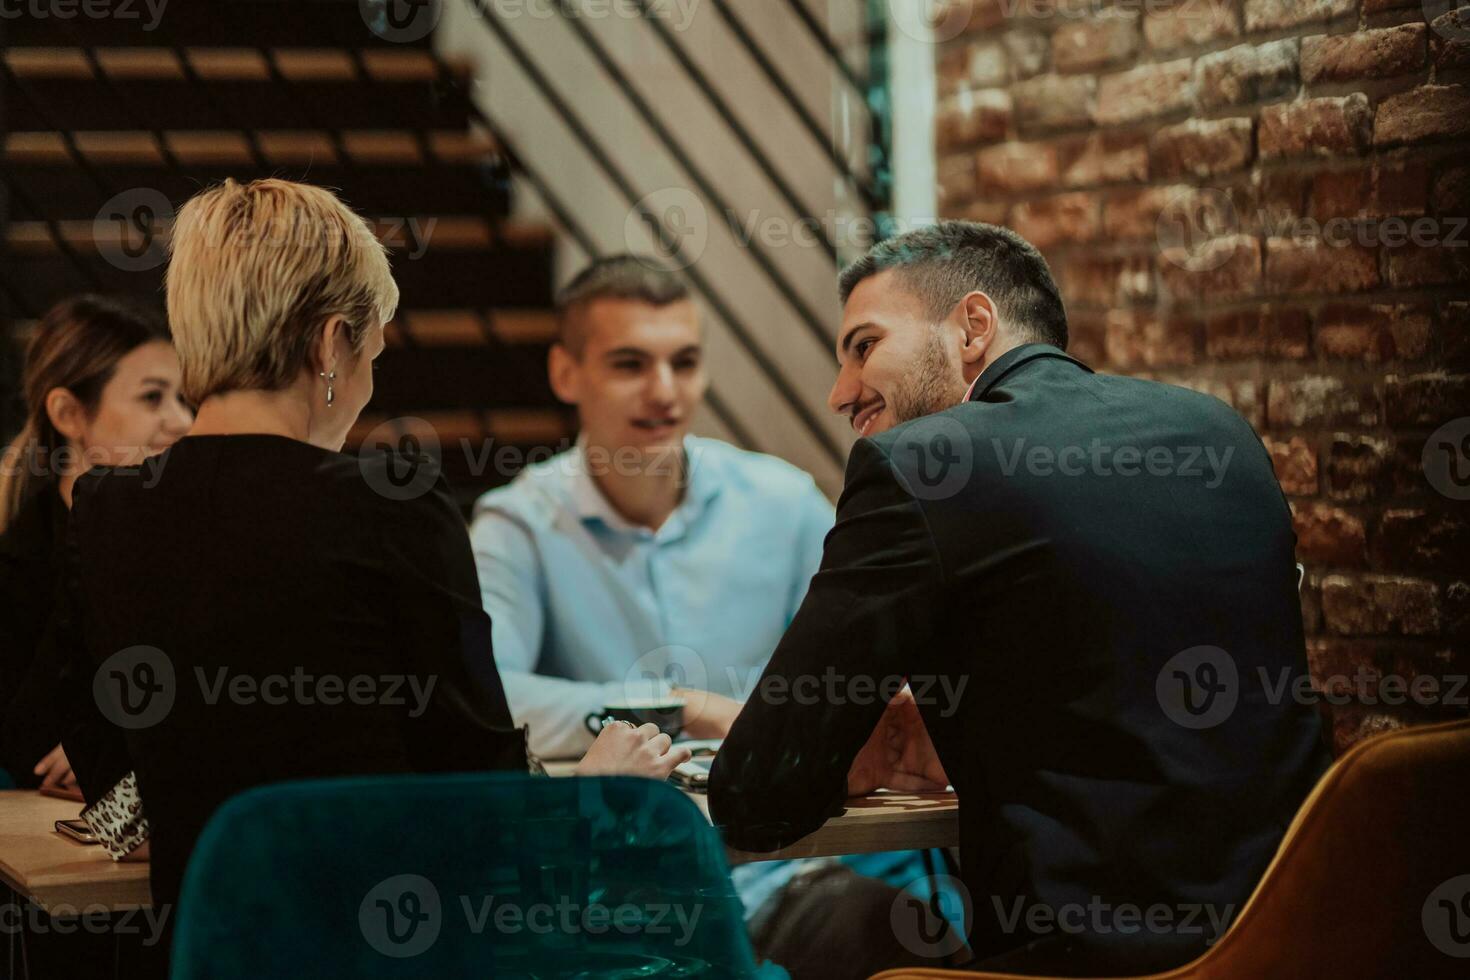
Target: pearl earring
(330,376)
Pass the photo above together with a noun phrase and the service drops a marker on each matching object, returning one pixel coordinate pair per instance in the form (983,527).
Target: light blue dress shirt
(588,609)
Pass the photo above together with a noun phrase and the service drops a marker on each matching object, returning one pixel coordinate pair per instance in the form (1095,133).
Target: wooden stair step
(495,373)
(504,276)
(478,450)
(45,191)
(233,64)
(457,328)
(512,426)
(133,88)
(275,23)
(508,383)
(39,272)
(430,328)
(363,148)
(444,378)
(66,103)
(416,234)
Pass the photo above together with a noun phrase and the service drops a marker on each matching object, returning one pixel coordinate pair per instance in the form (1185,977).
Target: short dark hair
(622,276)
(943,262)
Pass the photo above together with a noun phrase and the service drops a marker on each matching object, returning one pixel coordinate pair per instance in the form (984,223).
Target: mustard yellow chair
(1371,881)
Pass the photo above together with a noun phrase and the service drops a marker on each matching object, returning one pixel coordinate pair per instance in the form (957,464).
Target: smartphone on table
(78,830)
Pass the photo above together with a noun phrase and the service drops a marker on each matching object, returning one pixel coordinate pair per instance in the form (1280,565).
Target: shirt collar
(1009,361)
(590,504)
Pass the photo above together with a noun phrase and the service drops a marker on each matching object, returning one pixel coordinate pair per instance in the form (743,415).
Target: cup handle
(594,723)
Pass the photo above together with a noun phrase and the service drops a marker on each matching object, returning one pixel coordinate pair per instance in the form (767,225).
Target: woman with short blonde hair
(279,557)
(257,270)
(276,286)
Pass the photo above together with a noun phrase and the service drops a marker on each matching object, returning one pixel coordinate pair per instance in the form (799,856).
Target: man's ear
(68,415)
(565,374)
(981,326)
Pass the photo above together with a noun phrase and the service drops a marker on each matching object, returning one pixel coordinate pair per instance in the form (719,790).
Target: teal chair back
(488,875)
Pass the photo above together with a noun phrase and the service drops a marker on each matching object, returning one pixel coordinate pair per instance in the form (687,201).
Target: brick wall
(1264,200)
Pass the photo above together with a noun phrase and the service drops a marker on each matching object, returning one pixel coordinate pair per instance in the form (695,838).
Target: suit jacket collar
(1013,359)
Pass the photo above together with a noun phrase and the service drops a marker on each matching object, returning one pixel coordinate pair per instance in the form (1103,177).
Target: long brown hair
(76,346)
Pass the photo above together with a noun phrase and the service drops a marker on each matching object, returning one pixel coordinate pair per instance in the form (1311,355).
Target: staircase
(107,126)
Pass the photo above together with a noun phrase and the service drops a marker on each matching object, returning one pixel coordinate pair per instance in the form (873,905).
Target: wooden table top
(882,821)
(59,874)
(56,872)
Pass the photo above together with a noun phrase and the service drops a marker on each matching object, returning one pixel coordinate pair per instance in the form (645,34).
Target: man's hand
(706,714)
(898,755)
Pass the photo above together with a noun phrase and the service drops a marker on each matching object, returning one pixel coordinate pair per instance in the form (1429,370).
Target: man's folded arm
(555,710)
(814,522)
(782,771)
(512,592)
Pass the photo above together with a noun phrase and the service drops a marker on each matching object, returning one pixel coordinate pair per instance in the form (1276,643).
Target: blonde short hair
(255,270)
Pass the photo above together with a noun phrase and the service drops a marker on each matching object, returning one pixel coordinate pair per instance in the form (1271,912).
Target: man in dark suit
(1088,582)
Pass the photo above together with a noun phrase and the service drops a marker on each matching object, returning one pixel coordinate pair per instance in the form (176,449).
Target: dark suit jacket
(30,710)
(1050,563)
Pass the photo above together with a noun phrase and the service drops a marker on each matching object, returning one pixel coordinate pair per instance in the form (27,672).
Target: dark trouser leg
(832,924)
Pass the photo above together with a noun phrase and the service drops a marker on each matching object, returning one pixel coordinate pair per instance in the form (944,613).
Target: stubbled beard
(931,386)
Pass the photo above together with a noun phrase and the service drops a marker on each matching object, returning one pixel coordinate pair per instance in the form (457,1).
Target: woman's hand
(56,775)
(622,750)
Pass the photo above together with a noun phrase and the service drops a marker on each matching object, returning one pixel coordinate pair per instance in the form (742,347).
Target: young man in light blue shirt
(644,553)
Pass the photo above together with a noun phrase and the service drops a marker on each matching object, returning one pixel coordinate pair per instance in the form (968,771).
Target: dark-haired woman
(102,388)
